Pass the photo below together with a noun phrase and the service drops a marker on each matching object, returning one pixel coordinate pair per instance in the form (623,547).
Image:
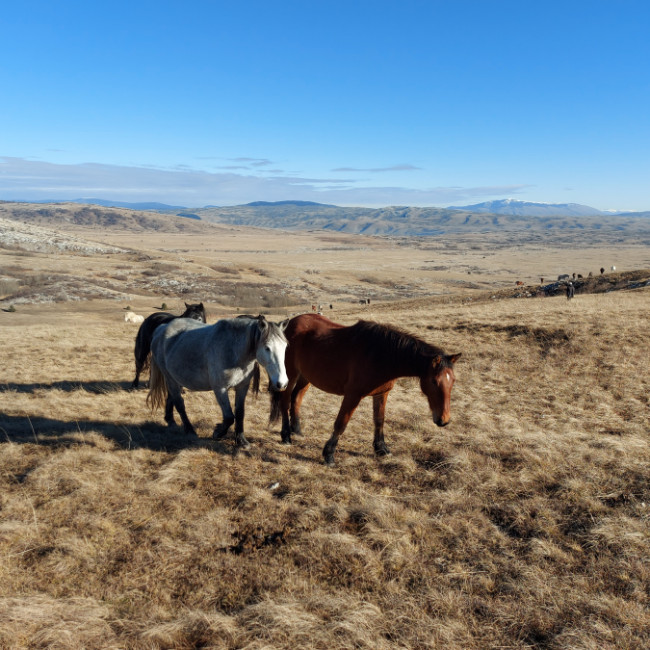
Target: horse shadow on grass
(51,432)
(54,432)
(148,434)
(97,387)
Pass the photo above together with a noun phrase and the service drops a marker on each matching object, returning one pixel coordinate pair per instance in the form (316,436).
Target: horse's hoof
(382,451)
(243,444)
(285,441)
(329,461)
(219,433)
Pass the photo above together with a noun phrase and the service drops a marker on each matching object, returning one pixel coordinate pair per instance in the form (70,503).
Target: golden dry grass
(522,524)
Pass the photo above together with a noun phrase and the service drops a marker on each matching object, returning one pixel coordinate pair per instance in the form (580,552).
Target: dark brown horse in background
(357,361)
(148,327)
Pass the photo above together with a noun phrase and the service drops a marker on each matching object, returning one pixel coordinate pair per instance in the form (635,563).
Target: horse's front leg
(285,405)
(348,406)
(297,395)
(221,429)
(378,411)
(240,401)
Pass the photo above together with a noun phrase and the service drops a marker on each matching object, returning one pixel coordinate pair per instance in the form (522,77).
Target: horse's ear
(436,361)
(454,357)
(261,321)
(187,306)
(283,324)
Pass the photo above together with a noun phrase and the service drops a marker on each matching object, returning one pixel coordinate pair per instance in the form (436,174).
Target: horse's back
(181,353)
(314,352)
(199,356)
(177,328)
(158,318)
(146,331)
(151,323)
(313,324)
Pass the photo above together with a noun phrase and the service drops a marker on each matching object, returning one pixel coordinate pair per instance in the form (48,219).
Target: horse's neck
(408,365)
(241,346)
(409,359)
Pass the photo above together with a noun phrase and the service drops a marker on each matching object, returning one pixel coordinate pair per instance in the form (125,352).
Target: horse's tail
(276,410)
(256,379)
(157,387)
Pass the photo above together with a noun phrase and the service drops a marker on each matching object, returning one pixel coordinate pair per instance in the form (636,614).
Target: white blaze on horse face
(271,357)
(441,402)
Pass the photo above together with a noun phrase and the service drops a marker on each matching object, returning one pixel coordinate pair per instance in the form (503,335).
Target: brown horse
(357,361)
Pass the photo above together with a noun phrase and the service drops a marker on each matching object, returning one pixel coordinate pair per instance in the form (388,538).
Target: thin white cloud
(255,162)
(26,180)
(393,168)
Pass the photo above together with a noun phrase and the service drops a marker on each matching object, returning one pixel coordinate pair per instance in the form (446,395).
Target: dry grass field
(523,524)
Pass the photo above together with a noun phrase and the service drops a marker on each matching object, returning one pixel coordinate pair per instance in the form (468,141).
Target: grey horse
(186,353)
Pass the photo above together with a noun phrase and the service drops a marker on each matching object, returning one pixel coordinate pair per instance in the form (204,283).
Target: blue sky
(354,103)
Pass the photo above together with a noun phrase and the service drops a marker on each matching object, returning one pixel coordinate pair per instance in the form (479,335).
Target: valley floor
(524,523)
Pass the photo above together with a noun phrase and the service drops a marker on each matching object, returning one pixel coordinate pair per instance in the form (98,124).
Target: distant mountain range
(530,209)
(505,216)
(512,207)
(106,203)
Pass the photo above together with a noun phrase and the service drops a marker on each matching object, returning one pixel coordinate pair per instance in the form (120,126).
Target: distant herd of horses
(354,362)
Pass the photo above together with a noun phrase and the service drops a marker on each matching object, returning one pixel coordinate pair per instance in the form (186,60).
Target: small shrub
(225,269)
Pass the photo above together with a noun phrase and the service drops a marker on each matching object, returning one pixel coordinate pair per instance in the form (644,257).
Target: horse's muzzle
(280,385)
(442,423)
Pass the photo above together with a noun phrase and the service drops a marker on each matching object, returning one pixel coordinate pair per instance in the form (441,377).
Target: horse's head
(196,312)
(271,346)
(436,383)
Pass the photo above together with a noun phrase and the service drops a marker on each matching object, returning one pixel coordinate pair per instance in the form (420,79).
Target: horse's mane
(393,342)
(258,337)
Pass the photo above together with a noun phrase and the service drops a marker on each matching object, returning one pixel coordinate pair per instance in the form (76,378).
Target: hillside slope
(93,216)
(522,524)
(414,221)
(392,221)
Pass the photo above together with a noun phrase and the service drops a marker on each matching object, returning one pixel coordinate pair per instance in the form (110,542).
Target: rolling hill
(393,221)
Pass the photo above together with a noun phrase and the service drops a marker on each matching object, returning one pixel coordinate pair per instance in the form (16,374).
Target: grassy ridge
(522,524)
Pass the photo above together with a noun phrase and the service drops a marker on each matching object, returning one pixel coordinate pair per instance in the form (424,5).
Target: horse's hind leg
(175,399)
(139,367)
(136,381)
(140,360)
(378,411)
(169,411)
(348,406)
